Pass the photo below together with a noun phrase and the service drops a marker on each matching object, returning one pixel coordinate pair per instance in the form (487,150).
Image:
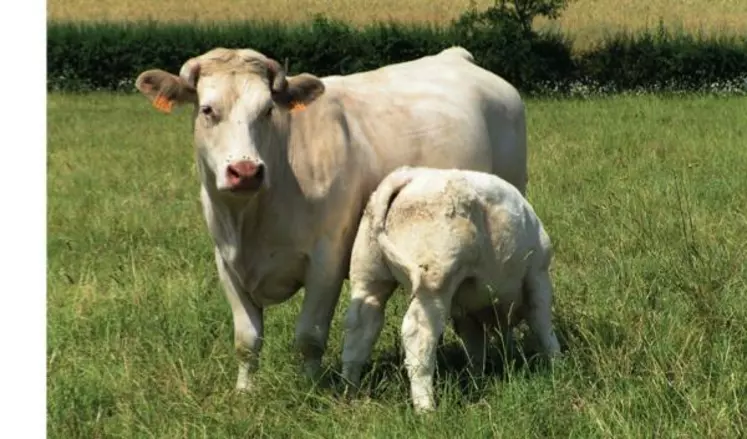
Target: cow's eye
(206,110)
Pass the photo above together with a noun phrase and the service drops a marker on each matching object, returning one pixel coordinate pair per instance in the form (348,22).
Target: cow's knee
(309,340)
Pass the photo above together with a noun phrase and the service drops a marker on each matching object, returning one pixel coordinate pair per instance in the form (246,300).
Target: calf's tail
(381,199)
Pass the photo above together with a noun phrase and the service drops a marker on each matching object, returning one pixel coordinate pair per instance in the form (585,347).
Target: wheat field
(586,20)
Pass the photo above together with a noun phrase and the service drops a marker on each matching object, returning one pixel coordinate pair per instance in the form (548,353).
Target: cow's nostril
(244,175)
(260,173)
(232,172)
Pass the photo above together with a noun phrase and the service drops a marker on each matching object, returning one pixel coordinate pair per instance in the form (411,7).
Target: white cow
(468,246)
(287,163)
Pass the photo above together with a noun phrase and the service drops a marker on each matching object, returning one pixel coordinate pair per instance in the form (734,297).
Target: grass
(644,197)
(586,20)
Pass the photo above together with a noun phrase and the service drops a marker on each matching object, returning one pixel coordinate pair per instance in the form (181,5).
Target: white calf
(468,246)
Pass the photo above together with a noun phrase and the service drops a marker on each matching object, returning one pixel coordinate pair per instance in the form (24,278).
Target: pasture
(587,20)
(644,197)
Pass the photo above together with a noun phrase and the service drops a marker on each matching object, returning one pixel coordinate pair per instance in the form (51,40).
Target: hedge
(663,60)
(108,56)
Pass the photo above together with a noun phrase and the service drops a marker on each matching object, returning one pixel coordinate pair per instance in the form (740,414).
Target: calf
(467,245)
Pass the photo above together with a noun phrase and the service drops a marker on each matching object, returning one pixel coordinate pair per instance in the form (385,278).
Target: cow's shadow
(386,373)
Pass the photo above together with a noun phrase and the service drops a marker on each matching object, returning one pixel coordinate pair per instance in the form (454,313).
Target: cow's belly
(273,278)
(472,153)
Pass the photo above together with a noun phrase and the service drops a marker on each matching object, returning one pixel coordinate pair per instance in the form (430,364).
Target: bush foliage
(108,56)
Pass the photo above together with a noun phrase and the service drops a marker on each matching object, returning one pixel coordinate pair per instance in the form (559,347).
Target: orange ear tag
(297,106)
(162,103)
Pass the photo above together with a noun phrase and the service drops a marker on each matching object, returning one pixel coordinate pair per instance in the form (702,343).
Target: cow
(469,247)
(286,164)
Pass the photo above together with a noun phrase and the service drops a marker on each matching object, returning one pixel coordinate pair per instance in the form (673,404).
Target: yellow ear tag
(162,103)
(297,106)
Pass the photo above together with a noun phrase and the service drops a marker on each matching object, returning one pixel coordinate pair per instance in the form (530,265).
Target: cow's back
(439,111)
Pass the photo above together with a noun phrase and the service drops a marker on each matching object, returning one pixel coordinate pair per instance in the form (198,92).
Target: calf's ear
(165,90)
(301,90)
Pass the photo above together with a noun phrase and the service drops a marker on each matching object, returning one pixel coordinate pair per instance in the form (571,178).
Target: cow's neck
(238,224)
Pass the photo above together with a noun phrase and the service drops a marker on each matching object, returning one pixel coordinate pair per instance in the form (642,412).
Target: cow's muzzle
(244,176)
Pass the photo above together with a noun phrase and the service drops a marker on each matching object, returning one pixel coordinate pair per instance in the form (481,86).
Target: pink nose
(244,175)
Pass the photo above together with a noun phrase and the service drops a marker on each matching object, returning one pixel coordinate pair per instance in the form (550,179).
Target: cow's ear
(302,90)
(165,90)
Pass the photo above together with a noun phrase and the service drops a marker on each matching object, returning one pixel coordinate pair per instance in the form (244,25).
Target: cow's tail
(459,51)
(381,200)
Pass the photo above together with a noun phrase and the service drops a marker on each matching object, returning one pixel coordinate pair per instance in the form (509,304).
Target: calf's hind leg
(363,322)
(470,330)
(473,336)
(538,290)
(423,324)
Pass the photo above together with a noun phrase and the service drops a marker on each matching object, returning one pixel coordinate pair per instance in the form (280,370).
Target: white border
(23,220)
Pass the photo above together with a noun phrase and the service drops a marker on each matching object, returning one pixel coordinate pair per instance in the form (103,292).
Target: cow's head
(242,99)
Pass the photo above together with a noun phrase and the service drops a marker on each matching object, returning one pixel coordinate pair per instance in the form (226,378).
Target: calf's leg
(539,310)
(363,322)
(474,337)
(423,324)
(470,330)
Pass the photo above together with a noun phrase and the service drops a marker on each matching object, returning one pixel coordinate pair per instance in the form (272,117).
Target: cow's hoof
(351,374)
(243,384)
(350,391)
(312,369)
(424,409)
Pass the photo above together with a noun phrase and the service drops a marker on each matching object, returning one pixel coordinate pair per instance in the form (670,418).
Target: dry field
(588,20)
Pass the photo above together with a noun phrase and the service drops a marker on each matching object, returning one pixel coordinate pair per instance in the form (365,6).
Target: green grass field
(644,197)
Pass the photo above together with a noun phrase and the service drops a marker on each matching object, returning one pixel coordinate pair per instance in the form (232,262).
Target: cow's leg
(322,292)
(363,322)
(539,313)
(248,327)
(423,324)
(510,158)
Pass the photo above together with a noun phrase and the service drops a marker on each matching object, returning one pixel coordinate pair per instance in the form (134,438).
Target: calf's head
(241,104)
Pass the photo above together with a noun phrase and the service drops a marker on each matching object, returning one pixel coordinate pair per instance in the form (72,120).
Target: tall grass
(587,20)
(645,199)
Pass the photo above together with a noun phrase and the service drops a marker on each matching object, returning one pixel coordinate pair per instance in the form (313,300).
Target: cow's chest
(268,274)
(266,260)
